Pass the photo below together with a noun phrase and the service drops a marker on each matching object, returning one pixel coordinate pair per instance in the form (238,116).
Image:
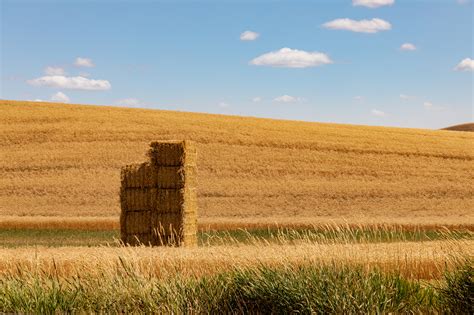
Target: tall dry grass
(420,260)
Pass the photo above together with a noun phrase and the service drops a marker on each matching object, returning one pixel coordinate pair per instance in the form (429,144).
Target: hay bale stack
(158,198)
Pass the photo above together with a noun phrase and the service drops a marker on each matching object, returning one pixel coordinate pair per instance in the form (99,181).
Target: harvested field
(64,161)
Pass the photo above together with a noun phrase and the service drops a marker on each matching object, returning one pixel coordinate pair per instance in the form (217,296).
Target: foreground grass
(336,269)
(336,234)
(290,289)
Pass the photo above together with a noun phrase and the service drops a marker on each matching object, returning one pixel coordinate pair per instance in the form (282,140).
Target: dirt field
(63,161)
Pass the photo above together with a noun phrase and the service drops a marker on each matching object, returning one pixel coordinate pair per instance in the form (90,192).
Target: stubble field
(63,161)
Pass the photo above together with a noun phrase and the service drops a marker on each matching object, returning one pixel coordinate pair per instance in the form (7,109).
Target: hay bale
(138,222)
(158,198)
(123,212)
(169,201)
(147,175)
(170,177)
(172,153)
(133,199)
(167,228)
(138,239)
(139,176)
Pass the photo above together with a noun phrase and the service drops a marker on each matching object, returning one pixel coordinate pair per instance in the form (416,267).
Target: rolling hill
(462,127)
(64,161)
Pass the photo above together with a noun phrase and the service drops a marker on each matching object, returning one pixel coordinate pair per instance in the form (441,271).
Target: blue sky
(344,61)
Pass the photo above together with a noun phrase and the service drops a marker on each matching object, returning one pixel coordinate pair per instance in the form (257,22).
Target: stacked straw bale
(158,198)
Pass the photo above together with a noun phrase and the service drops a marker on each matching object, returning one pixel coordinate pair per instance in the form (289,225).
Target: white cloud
(359,98)
(288,99)
(84,62)
(223,104)
(256,99)
(428,105)
(129,102)
(372,3)
(405,97)
(466,64)
(249,36)
(60,97)
(292,58)
(54,71)
(407,47)
(431,107)
(378,113)
(362,26)
(74,83)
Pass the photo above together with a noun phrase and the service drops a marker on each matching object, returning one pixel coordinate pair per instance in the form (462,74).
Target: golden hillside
(65,160)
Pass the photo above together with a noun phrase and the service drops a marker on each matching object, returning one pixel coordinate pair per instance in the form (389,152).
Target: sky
(370,62)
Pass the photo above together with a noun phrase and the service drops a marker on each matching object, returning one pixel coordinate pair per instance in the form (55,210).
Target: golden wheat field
(62,162)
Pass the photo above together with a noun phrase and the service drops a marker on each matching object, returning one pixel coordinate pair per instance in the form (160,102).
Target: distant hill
(462,127)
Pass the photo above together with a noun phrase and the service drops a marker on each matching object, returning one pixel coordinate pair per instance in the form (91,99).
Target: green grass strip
(68,237)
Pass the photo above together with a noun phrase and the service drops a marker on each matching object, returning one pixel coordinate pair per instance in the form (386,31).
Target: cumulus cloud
(223,104)
(431,107)
(362,26)
(54,71)
(249,36)
(288,99)
(73,83)
(256,99)
(405,97)
(466,64)
(359,98)
(378,113)
(372,3)
(428,105)
(60,97)
(83,62)
(407,47)
(128,102)
(292,58)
